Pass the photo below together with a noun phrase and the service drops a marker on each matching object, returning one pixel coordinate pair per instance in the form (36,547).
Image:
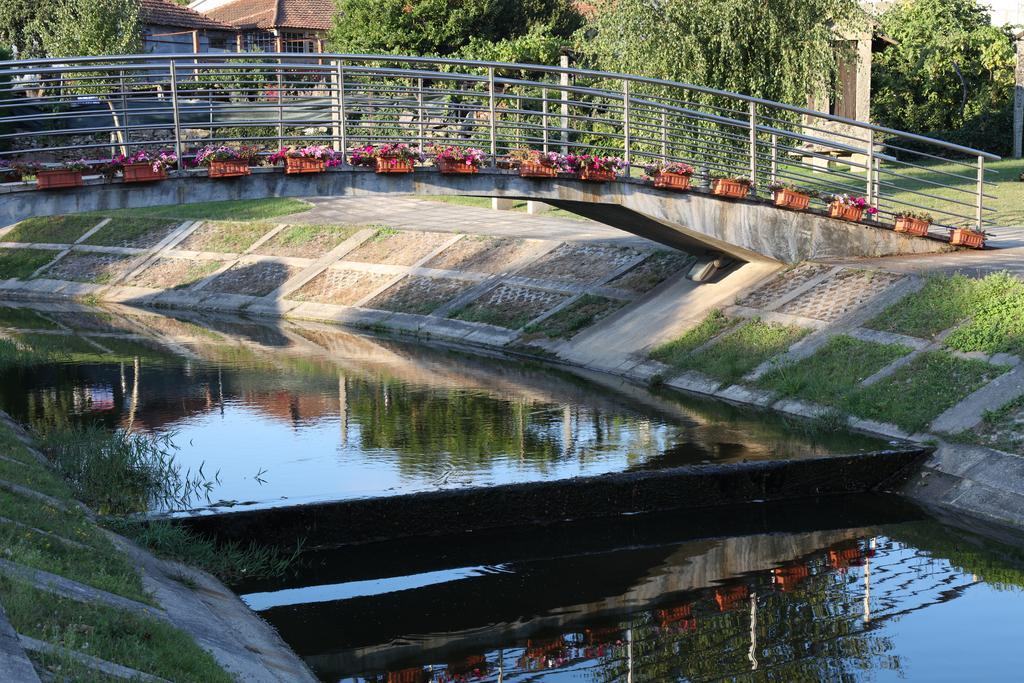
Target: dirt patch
(652,271)
(253,279)
(398,248)
(342,287)
(174,273)
(134,233)
(307,241)
(833,298)
(225,236)
(481,254)
(88,267)
(419,295)
(580,263)
(510,306)
(781,285)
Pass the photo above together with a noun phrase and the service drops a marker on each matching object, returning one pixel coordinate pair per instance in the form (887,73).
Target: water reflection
(298,412)
(879,602)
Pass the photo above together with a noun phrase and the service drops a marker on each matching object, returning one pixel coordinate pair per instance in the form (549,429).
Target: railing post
(280,100)
(870,171)
(775,159)
(419,113)
(626,141)
(753,147)
(341,112)
(563,121)
(544,116)
(492,108)
(335,111)
(980,214)
(176,114)
(664,136)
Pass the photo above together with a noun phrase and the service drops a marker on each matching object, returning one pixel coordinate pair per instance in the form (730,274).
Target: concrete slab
(970,411)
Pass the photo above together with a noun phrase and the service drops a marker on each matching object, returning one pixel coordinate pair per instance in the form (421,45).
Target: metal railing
(92,107)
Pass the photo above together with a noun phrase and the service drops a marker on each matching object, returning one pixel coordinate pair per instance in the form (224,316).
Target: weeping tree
(92,28)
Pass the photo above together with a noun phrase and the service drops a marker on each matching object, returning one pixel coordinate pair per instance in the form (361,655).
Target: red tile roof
(168,13)
(314,15)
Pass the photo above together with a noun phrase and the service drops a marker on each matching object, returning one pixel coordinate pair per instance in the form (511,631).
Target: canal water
(296,414)
(842,588)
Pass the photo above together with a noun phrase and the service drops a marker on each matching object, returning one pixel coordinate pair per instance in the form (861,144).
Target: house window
(260,41)
(296,41)
(844,100)
(218,43)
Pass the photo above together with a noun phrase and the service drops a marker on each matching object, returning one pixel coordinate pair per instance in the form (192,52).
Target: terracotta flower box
(597,175)
(393,165)
(303,165)
(725,187)
(142,172)
(672,181)
(963,237)
(911,226)
(789,199)
(229,169)
(845,212)
(58,178)
(452,167)
(535,169)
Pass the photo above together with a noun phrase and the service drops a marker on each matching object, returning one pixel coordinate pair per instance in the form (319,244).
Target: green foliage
(92,27)
(236,209)
(834,370)
(773,50)
(440,27)
(678,350)
(583,312)
(922,389)
(21,263)
(949,75)
(121,472)
(21,24)
(51,229)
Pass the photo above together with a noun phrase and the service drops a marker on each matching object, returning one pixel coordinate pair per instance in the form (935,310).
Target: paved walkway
(421,214)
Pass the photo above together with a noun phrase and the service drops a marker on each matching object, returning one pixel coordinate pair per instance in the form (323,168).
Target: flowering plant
(575,163)
(326,154)
(367,154)
(917,215)
(550,159)
(225,153)
(675,167)
(160,161)
(721,175)
(77,165)
(855,201)
(469,156)
(792,187)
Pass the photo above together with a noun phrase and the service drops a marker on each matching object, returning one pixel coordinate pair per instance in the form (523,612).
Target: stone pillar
(1018,101)
(499,204)
(533,208)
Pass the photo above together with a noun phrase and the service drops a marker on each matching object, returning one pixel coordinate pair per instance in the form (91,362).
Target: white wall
(1006,11)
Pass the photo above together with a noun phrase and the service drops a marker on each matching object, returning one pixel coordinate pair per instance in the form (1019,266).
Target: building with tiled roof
(169,27)
(273,25)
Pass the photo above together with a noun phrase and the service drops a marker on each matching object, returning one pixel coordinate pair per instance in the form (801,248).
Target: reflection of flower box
(672,181)
(727,598)
(393,165)
(962,237)
(911,226)
(788,578)
(142,172)
(58,178)
(726,187)
(231,168)
(451,167)
(788,199)
(304,165)
(845,212)
(597,175)
(535,169)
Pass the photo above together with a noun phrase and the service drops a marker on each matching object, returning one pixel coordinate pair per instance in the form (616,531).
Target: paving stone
(419,295)
(90,267)
(784,283)
(840,294)
(340,286)
(404,248)
(580,262)
(169,273)
(481,254)
(252,279)
(510,306)
(652,271)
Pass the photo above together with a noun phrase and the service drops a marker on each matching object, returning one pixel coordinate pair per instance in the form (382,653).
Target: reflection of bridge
(92,106)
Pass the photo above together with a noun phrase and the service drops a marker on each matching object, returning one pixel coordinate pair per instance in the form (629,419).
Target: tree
(92,27)
(443,27)
(21,23)
(777,50)
(949,75)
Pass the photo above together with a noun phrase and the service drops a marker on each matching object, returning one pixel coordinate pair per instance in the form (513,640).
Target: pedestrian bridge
(93,108)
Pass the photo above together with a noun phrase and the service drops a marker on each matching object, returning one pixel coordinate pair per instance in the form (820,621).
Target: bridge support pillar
(533,208)
(499,204)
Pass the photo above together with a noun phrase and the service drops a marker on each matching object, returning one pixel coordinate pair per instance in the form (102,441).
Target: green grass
(677,351)
(742,350)
(66,669)
(943,302)
(51,229)
(582,313)
(1002,429)
(118,636)
(299,235)
(833,371)
(21,263)
(509,318)
(235,210)
(921,390)
(126,229)
(226,236)
(997,321)
(70,523)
